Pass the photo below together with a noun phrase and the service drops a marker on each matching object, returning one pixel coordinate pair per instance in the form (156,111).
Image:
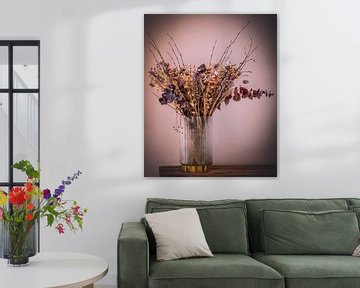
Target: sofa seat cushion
(222,270)
(313,271)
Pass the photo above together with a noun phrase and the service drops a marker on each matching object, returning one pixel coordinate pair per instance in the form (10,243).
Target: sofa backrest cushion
(354,205)
(223,221)
(256,205)
(353,202)
(298,232)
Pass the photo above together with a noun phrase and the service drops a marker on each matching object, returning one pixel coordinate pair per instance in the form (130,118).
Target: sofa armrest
(133,256)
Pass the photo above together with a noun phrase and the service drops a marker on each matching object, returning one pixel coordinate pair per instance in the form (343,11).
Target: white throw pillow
(178,234)
(357,251)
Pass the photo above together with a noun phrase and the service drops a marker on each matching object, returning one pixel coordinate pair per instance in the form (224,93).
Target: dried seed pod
(236,96)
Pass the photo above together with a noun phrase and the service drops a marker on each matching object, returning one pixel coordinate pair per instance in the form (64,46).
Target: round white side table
(50,270)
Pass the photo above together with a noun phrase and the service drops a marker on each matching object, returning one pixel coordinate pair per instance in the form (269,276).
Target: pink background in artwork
(244,132)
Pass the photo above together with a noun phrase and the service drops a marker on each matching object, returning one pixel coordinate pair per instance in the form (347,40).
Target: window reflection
(26,67)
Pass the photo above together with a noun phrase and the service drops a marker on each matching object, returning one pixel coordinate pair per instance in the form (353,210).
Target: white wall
(92,106)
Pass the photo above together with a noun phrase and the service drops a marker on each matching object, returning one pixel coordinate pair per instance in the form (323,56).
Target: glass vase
(195,143)
(18,242)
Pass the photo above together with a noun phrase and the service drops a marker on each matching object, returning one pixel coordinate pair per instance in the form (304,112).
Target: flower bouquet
(196,92)
(21,208)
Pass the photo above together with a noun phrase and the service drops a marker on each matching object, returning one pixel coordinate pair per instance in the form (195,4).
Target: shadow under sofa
(232,229)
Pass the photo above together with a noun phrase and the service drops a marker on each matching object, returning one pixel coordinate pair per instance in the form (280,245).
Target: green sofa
(236,234)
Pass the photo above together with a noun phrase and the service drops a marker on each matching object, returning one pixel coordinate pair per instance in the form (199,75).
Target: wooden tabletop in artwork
(222,171)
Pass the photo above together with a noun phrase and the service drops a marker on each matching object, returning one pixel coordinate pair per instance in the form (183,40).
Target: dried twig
(212,52)
(154,45)
(172,59)
(178,50)
(232,42)
(177,59)
(156,60)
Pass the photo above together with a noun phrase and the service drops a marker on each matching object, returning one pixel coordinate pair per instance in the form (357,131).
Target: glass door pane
(26,130)
(4,137)
(4,67)
(26,73)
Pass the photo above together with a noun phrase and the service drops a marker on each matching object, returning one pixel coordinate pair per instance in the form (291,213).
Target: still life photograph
(210,94)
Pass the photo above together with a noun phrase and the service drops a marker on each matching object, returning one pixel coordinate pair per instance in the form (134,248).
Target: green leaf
(51,210)
(28,168)
(22,164)
(50,219)
(79,221)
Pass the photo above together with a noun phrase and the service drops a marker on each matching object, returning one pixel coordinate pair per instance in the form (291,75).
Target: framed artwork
(210,95)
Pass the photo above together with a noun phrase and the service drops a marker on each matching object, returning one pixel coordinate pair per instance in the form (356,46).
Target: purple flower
(58,192)
(64,183)
(167,96)
(46,194)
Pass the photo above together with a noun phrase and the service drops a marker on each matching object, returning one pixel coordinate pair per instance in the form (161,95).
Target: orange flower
(29,206)
(29,217)
(29,187)
(27,196)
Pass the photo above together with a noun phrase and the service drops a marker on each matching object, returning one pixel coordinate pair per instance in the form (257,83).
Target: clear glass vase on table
(195,134)
(18,242)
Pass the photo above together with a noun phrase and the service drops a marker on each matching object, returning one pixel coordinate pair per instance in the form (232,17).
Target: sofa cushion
(222,270)
(223,221)
(356,209)
(353,201)
(254,207)
(313,271)
(297,232)
(354,205)
(178,234)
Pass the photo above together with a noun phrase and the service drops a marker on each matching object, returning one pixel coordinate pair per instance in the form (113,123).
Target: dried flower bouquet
(200,90)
